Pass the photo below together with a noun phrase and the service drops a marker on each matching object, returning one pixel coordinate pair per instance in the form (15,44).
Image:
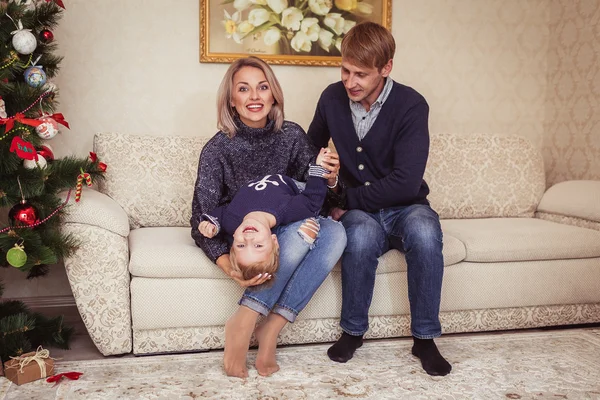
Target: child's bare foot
(266,334)
(238,331)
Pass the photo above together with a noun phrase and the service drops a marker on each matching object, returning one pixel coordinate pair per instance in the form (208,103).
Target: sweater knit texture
(227,163)
(385,169)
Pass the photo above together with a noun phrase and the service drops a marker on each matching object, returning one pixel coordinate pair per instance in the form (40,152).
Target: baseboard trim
(47,301)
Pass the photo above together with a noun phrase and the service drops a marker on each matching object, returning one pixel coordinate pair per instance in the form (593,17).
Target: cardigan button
(367,183)
(359,149)
(361,167)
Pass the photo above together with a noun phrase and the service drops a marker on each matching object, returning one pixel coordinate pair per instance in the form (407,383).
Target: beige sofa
(516,256)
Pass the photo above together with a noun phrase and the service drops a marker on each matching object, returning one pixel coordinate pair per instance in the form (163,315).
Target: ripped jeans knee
(309,230)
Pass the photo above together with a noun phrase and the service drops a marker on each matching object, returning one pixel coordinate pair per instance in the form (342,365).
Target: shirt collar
(385,93)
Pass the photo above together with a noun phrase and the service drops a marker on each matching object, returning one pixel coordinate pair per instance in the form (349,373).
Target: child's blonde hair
(269,266)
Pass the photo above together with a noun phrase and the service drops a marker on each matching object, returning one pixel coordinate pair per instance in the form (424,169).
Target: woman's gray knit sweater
(228,163)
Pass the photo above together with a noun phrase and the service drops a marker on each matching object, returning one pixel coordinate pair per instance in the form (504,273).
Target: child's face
(252,242)
(252,97)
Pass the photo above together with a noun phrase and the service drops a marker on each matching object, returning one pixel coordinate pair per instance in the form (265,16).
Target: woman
(254,140)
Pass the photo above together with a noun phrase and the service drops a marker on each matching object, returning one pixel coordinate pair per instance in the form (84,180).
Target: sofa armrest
(573,203)
(97,209)
(579,199)
(98,270)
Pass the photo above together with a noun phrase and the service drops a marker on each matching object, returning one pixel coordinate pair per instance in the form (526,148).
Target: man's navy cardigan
(386,168)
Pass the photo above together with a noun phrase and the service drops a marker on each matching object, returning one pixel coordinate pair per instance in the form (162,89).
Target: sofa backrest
(152,177)
(482,176)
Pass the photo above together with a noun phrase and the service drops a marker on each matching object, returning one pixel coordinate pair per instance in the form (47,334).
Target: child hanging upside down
(260,206)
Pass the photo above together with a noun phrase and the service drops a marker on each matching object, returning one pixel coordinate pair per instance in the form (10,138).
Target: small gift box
(29,367)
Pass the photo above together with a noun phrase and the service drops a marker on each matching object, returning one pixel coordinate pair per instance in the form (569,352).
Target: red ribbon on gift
(20,117)
(58,117)
(58,2)
(70,375)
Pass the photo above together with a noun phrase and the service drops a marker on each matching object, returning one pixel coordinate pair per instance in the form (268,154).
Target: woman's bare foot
(238,330)
(266,334)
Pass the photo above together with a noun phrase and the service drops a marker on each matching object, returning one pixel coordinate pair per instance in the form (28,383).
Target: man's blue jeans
(415,230)
(302,269)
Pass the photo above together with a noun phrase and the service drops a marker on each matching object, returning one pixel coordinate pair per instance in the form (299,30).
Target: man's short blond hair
(369,45)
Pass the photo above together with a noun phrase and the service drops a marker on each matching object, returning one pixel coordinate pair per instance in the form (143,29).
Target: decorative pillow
(151,177)
(481,176)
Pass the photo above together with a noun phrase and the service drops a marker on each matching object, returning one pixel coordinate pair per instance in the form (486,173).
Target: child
(259,206)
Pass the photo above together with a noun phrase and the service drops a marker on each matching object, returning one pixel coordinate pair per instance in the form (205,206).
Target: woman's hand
(208,229)
(224,263)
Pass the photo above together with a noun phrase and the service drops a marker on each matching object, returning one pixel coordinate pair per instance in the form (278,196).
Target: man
(380,130)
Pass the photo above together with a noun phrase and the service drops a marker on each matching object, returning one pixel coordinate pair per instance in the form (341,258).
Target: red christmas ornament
(23,213)
(46,152)
(46,36)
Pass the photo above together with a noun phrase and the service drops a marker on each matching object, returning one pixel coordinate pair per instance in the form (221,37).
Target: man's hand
(207,229)
(336,213)
(224,263)
(331,162)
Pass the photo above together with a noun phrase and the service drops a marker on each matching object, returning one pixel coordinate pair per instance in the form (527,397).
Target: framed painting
(297,32)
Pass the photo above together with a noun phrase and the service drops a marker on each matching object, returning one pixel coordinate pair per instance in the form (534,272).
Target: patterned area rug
(558,364)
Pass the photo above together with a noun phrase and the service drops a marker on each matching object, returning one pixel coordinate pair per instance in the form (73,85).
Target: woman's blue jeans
(414,230)
(302,269)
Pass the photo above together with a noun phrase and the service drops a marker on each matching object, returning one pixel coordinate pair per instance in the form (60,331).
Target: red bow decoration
(70,375)
(94,158)
(58,117)
(58,2)
(19,117)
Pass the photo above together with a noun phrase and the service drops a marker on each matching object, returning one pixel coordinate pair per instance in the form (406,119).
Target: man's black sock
(344,348)
(432,361)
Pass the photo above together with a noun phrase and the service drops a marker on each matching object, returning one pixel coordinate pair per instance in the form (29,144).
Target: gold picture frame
(292,32)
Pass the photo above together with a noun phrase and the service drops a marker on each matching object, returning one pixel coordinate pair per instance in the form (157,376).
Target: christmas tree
(31,179)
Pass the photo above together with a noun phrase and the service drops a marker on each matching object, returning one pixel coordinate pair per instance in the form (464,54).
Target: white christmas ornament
(31,164)
(47,129)
(2,108)
(23,40)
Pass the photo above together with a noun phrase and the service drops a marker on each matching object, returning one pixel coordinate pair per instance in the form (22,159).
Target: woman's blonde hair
(226,113)
(369,45)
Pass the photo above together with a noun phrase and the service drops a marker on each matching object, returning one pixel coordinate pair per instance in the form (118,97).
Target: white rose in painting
(338,44)
(325,39)
(277,5)
(335,21)
(320,7)
(241,5)
(258,16)
(272,36)
(348,25)
(301,42)
(291,17)
(311,27)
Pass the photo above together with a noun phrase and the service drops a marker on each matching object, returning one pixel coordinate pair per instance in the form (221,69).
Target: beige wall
(572,139)
(132,66)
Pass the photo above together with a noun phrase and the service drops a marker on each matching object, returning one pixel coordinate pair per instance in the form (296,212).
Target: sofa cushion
(482,176)
(522,239)
(152,178)
(170,252)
